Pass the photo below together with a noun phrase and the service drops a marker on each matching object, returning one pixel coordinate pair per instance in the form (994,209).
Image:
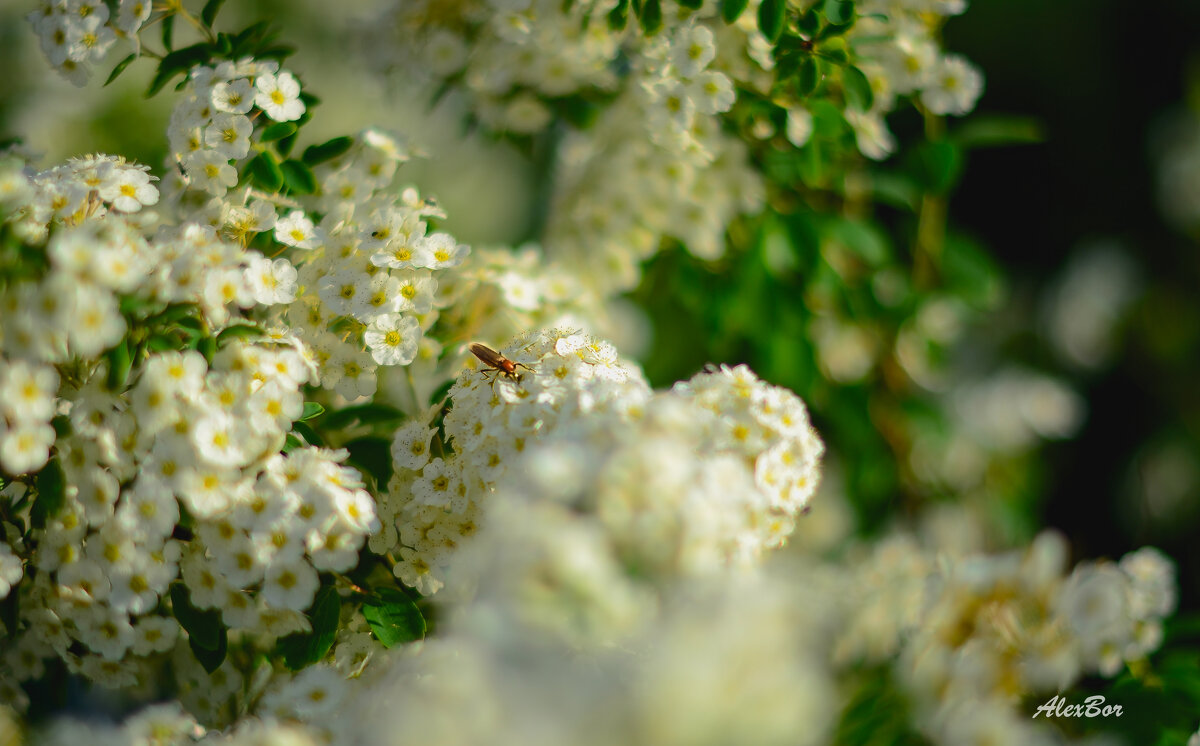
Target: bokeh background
(1115,90)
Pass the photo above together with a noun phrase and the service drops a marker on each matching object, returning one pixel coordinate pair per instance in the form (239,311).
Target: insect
(498,365)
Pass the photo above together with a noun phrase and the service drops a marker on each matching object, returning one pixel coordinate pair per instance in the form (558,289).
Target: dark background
(1100,76)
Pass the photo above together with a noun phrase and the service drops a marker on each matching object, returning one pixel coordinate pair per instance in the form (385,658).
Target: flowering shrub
(256,483)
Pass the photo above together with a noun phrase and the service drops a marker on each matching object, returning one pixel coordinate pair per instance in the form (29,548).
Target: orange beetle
(498,365)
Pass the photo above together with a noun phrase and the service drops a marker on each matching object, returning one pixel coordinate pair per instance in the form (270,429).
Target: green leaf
(970,272)
(808,76)
(168,26)
(160,343)
(177,63)
(51,486)
(212,659)
(62,425)
(291,443)
(365,413)
(787,64)
(731,10)
(278,52)
(311,410)
(618,17)
(120,360)
(264,170)
(224,44)
(191,323)
(277,131)
(327,150)
(770,18)
(651,16)
(204,627)
(828,122)
(10,614)
(120,68)
(864,240)
(207,346)
(238,331)
(209,13)
(285,145)
(858,89)
(993,131)
(836,55)
(941,165)
(133,305)
(439,394)
(839,12)
(897,190)
(394,617)
(691,4)
(298,177)
(371,455)
(247,41)
(310,435)
(172,313)
(300,650)
(809,23)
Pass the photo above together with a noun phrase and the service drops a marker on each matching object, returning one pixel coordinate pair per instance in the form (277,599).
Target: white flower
(955,85)
(210,171)
(98,323)
(25,447)
(129,190)
(27,391)
(207,491)
(272,281)
(279,96)
(344,290)
(132,14)
(233,97)
(229,135)
(799,126)
(393,339)
(296,230)
(410,446)
(871,132)
(290,584)
(357,509)
(314,694)
(520,292)
(89,39)
(11,570)
(440,251)
(220,440)
(692,50)
(713,93)
(416,291)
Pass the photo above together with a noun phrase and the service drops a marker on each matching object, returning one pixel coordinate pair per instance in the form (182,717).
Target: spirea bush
(260,483)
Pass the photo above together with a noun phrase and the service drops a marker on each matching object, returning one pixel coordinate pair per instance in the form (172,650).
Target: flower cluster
(77,33)
(656,163)
(368,286)
(685,481)
(361,282)
(212,125)
(433,500)
(717,662)
(901,56)
(155,444)
(971,636)
(507,55)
